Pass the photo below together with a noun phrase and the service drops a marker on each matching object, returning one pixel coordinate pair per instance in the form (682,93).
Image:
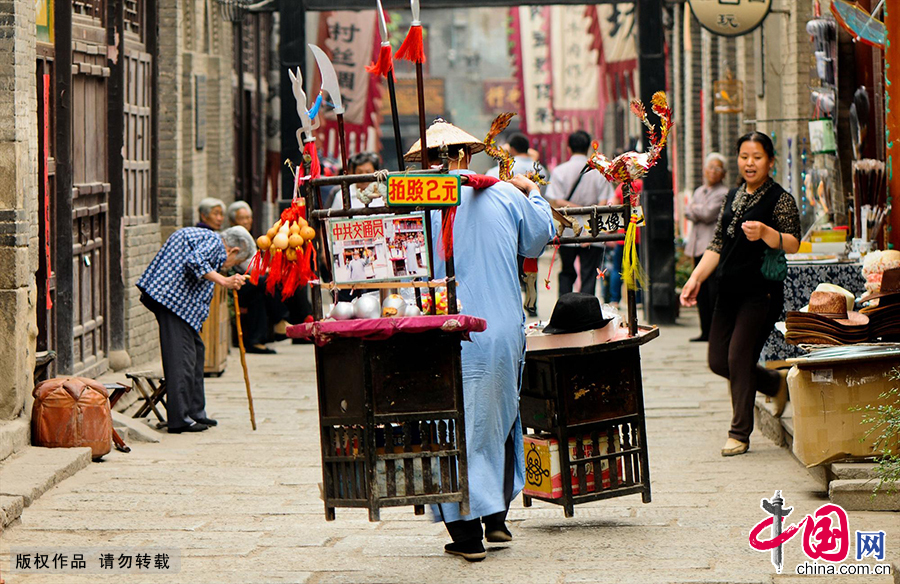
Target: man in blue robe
(492,227)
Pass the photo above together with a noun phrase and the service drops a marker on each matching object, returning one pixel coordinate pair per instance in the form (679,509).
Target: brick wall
(18,204)
(140,245)
(186,174)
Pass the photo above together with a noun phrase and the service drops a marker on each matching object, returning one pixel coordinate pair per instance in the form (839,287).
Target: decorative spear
(330,84)
(384,66)
(413,50)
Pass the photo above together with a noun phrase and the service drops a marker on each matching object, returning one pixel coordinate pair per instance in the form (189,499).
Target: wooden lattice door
(91,187)
(138,112)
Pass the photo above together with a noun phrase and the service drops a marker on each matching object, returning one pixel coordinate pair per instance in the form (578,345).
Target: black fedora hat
(575,312)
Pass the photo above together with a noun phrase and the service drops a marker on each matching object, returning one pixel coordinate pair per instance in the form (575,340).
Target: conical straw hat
(443,133)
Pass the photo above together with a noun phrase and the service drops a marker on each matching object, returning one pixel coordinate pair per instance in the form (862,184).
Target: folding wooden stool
(152,388)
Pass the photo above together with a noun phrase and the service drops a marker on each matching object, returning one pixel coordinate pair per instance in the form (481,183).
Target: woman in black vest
(757,216)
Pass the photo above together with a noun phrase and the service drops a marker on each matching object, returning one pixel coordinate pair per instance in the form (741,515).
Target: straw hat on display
(443,133)
(884,317)
(828,322)
(824,287)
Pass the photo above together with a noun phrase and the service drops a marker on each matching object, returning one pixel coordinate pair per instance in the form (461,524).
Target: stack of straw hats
(828,320)
(884,316)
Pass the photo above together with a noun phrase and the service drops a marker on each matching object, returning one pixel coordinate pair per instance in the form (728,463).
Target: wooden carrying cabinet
(592,394)
(215,333)
(392,423)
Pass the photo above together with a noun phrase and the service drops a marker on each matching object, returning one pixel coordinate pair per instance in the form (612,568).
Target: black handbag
(774,265)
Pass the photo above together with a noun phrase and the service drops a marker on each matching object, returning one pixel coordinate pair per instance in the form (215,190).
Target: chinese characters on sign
(421,191)
(378,249)
(534,28)
(576,69)
(95,561)
(350,38)
(730,17)
(502,95)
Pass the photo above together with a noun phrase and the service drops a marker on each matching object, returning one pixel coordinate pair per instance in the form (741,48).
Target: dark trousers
(739,329)
(706,301)
(469,530)
(590,260)
(182,356)
(259,311)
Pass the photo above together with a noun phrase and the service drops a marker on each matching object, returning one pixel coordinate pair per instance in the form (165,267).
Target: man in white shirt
(571,186)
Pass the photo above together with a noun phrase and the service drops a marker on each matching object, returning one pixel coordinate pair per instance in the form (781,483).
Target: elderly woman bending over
(177,287)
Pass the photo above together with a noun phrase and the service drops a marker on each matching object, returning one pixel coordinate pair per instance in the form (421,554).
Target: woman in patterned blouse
(757,216)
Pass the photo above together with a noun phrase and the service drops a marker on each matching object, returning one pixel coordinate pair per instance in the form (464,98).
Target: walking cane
(237,314)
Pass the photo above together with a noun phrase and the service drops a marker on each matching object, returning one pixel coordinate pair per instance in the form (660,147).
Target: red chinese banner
(349,39)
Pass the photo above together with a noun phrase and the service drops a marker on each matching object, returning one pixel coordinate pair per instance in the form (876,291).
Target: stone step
(31,472)
(859,495)
(14,436)
(854,470)
(134,430)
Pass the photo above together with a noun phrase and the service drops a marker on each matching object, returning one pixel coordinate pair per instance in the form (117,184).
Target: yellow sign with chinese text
(438,190)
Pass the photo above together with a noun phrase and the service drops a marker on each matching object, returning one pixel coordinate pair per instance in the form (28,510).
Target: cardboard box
(824,427)
(543,474)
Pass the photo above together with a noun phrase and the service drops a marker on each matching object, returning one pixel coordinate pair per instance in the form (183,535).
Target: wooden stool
(116,391)
(152,388)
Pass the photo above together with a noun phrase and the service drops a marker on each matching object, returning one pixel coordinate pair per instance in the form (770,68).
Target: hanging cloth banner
(576,65)
(537,80)
(349,39)
(619,59)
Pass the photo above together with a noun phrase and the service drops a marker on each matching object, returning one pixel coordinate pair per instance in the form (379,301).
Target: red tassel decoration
(292,281)
(413,48)
(275,272)
(256,267)
(315,169)
(385,62)
(447,233)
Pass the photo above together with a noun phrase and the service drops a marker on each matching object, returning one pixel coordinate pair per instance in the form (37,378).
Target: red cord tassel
(447,233)
(385,62)
(257,268)
(275,272)
(292,281)
(315,169)
(413,48)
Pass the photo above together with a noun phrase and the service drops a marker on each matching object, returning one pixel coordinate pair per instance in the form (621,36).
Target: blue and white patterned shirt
(175,276)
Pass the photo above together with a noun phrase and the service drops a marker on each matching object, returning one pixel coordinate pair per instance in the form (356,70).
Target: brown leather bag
(70,412)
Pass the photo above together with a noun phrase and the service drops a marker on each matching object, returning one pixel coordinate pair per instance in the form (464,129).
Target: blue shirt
(175,276)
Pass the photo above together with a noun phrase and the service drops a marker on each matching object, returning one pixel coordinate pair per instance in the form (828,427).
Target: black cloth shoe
(532,312)
(700,340)
(497,533)
(208,421)
(472,550)
(260,349)
(198,427)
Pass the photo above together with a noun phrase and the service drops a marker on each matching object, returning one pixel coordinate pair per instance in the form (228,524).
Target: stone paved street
(243,506)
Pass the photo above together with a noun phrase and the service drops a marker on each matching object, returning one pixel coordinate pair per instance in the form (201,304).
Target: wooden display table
(391,413)
(590,394)
(215,333)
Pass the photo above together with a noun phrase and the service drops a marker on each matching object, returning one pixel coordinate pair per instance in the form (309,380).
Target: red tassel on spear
(413,47)
(385,61)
